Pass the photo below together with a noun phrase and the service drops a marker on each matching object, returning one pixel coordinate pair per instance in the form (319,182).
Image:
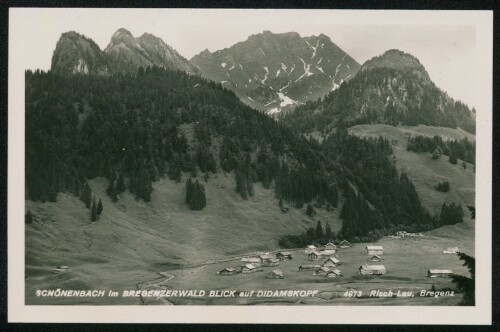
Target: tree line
(462,149)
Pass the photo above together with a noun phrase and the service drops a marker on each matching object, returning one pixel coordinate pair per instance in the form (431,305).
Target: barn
(330,246)
(284,256)
(375,250)
(451,250)
(434,273)
(322,271)
(331,262)
(338,272)
(372,269)
(229,271)
(334,274)
(308,267)
(344,244)
(275,274)
(309,249)
(251,260)
(270,262)
(314,256)
(248,268)
(327,252)
(263,257)
(374,258)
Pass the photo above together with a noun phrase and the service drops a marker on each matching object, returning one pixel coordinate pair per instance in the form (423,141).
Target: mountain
(127,53)
(393,88)
(76,53)
(274,72)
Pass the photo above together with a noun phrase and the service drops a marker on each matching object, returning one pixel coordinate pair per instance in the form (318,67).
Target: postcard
(249,165)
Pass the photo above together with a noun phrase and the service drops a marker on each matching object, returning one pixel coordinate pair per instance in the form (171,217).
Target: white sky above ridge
(443,41)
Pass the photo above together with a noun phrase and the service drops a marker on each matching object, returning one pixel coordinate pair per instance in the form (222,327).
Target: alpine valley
(147,171)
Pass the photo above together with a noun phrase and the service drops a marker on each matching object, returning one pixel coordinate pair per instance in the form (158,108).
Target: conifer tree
(196,198)
(189,190)
(120,184)
(93,211)
(28,217)
(319,230)
(86,195)
(310,210)
(99,207)
(111,191)
(328,232)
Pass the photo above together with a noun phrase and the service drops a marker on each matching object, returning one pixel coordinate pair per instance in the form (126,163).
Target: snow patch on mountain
(285,100)
(265,75)
(307,68)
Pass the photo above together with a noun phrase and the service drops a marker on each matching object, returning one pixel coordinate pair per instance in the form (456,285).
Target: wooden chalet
(248,268)
(270,262)
(314,256)
(322,271)
(327,252)
(309,267)
(372,269)
(344,244)
(263,257)
(331,262)
(374,258)
(284,255)
(275,274)
(334,274)
(309,249)
(229,271)
(375,250)
(330,246)
(434,273)
(251,260)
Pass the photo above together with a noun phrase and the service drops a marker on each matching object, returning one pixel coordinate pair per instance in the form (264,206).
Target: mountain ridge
(124,53)
(272,72)
(393,88)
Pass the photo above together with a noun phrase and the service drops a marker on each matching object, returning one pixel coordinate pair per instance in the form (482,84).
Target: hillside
(393,88)
(423,171)
(274,72)
(134,239)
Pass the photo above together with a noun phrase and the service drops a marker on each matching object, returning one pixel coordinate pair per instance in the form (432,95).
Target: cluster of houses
(375,253)
(328,268)
(252,264)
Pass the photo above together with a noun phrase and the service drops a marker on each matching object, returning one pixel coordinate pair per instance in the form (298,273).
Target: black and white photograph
(249,165)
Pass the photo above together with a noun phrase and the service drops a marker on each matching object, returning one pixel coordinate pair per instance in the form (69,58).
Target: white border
(480,314)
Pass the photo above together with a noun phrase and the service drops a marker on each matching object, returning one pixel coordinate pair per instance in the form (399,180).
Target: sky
(444,42)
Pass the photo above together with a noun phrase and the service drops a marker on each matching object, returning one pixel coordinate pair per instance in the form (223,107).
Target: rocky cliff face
(274,72)
(127,53)
(77,54)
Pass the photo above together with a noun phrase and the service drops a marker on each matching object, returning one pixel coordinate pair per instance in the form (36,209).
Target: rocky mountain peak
(277,71)
(395,59)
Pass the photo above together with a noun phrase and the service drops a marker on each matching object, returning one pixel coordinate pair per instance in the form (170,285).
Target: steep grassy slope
(133,240)
(424,172)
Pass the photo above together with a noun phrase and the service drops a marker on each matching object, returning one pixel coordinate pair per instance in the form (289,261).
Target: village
(325,262)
